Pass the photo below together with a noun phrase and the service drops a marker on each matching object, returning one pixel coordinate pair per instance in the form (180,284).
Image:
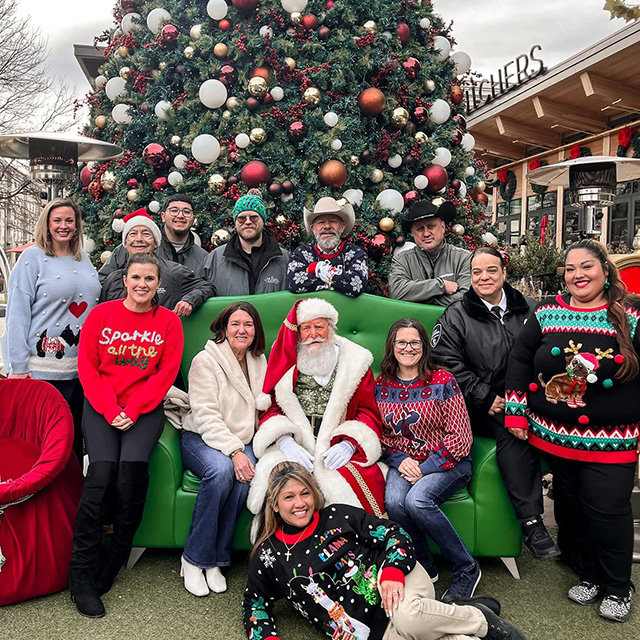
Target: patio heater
(591,182)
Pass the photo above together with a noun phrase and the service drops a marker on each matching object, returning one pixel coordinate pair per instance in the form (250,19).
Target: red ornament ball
(329,4)
(456,138)
(533,387)
(128,6)
(619,359)
(410,197)
(403,32)
(275,190)
(324,33)
(231,180)
(224,25)
(371,102)
(437,177)
(297,131)
(456,96)
(365,157)
(455,184)
(288,186)
(332,173)
(85,177)
(132,183)
(255,173)
(228,75)
(583,419)
(461,121)
(253,104)
(245,6)
(482,198)
(169,34)
(118,213)
(400,240)
(310,22)
(156,156)
(411,67)
(409,161)
(261,72)
(420,115)
(159,184)
(380,245)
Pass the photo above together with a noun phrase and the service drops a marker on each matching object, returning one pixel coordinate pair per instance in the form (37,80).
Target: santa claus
(323,412)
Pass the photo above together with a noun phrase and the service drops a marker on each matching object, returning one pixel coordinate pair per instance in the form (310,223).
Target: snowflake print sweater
(127,360)
(349,275)
(426,421)
(331,576)
(561,384)
(49,300)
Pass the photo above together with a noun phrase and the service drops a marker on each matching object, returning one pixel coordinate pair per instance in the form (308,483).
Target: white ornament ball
(154,206)
(469,171)
(293,6)
(488,238)
(174,178)
(242,141)
(468,142)
(195,33)
(331,118)
(163,110)
(286,197)
(115,87)
(213,93)
(462,190)
(226,114)
(442,47)
(336,144)
(391,200)
(92,165)
(405,247)
(180,161)
(395,161)
(265,31)
(277,93)
(462,61)
(117,224)
(120,114)
(387,35)
(89,244)
(156,18)
(217,9)
(425,23)
(205,148)
(129,24)
(439,111)
(104,256)
(420,182)
(354,196)
(100,81)
(442,157)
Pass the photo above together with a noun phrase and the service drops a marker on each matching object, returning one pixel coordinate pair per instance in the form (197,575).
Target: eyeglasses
(246,219)
(174,212)
(403,344)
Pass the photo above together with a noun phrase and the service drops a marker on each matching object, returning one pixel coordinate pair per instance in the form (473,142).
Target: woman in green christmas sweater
(350,574)
(572,391)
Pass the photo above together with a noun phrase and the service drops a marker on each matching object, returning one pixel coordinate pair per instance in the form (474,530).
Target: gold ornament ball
(400,117)
(104,256)
(123,51)
(220,50)
(376,176)
(332,173)
(421,137)
(354,161)
(480,186)
(386,224)
(196,32)
(257,87)
(290,62)
(458,229)
(257,135)
(438,201)
(430,85)
(370,26)
(101,122)
(219,237)
(295,17)
(108,180)
(233,103)
(125,72)
(217,183)
(175,141)
(189,52)
(162,65)
(133,195)
(226,114)
(312,95)
(281,220)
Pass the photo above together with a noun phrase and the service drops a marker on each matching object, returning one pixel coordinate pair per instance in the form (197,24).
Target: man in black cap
(433,272)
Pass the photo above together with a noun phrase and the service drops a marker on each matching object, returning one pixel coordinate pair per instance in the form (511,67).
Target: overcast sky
(491,31)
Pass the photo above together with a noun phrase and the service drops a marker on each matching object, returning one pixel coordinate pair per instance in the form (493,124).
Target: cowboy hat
(425,209)
(329,206)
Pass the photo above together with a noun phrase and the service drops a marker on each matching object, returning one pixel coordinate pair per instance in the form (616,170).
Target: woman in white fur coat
(225,381)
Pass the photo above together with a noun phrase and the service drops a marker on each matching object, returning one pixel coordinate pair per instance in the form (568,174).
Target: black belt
(315,421)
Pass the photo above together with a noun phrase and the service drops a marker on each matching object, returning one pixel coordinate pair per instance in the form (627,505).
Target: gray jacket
(413,277)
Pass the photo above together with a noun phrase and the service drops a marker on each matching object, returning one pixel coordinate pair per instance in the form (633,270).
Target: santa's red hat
(588,360)
(284,353)
(140,218)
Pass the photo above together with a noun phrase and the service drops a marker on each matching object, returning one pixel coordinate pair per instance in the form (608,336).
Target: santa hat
(284,353)
(588,360)
(141,218)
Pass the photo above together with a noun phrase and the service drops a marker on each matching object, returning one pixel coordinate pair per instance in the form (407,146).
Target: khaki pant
(420,617)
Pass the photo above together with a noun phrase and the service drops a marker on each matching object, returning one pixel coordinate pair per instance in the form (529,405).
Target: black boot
(86,538)
(131,486)
(498,628)
(537,538)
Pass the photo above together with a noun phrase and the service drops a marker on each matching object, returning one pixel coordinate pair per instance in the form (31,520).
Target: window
(508,221)
(624,219)
(537,208)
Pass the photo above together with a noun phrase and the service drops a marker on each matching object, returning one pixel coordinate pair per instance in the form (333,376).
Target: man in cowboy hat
(330,262)
(433,272)
(323,412)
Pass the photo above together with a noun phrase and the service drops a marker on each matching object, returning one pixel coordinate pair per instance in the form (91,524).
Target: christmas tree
(356,99)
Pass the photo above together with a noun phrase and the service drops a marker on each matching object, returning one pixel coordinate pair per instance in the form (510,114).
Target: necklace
(407,383)
(287,555)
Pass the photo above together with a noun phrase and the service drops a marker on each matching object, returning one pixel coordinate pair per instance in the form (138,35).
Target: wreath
(578,151)
(538,189)
(628,137)
(508,183)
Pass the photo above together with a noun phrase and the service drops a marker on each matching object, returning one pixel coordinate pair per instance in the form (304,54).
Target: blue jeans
(220,499)
(417,509)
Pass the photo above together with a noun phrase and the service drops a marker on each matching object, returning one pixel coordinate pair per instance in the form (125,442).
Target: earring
(607,284)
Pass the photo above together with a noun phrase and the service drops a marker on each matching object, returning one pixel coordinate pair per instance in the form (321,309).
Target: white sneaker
(194,581)
(216,581)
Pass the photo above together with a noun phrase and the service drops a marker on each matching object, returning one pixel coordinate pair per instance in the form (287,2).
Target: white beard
(317,359)
(328,245)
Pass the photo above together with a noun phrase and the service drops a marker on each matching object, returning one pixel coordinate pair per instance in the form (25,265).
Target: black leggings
(107,444)
(73,393)
(593,512)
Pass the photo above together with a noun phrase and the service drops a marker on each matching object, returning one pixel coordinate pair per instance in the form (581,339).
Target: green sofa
(482,513)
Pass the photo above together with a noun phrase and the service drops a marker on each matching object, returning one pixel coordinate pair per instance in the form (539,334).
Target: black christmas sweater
(329,573)
(561,384)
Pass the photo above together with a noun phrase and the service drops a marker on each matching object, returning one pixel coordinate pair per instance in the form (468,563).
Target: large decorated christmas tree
(356,99)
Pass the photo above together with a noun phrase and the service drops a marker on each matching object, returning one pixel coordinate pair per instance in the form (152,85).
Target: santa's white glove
(325,271)
(293,452)
(339,454)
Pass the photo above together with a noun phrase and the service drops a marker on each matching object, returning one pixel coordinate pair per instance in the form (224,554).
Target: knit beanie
(251,202)
(141,218)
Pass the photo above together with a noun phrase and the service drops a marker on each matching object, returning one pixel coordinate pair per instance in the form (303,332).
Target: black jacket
(474,345)
(178,283)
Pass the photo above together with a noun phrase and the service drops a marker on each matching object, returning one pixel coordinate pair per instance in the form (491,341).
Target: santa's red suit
(351,414)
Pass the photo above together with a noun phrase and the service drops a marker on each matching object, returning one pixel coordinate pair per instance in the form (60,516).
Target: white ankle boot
(194,581)
(216,581)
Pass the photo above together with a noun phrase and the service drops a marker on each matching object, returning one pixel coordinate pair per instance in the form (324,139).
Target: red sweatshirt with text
(127,360)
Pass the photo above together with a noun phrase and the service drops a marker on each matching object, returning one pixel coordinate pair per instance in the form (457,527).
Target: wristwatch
(233,453)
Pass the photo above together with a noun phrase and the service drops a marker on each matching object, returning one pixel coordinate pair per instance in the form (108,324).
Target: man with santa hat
(323,412)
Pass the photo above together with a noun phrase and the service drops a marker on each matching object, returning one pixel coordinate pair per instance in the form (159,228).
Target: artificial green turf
(150,603)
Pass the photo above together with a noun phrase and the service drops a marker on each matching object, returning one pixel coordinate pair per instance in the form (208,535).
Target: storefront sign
(516,72)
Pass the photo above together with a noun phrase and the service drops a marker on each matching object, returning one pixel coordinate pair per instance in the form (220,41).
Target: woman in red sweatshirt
(128,358)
